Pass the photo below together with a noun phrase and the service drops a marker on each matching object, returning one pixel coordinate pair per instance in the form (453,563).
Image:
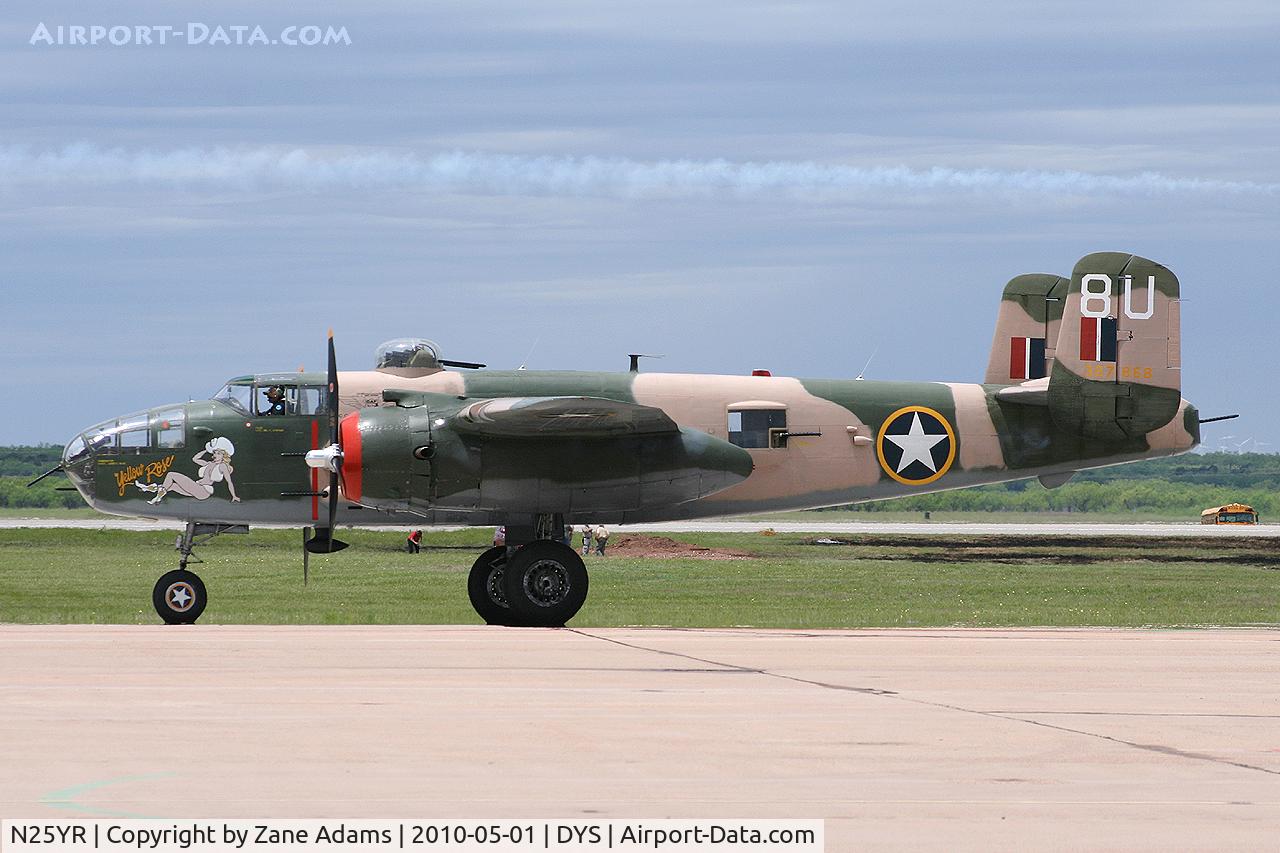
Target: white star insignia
(916,446)
(180,596)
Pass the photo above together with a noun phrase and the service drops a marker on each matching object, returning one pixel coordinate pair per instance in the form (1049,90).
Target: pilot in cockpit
(276,401)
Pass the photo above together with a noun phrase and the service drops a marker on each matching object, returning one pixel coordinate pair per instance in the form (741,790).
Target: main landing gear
(179,596)
(540,583)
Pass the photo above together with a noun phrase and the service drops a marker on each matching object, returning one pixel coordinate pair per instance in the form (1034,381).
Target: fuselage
(814,443)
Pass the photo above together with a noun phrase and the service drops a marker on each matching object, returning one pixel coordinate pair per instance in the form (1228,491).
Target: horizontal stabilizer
(1033,393)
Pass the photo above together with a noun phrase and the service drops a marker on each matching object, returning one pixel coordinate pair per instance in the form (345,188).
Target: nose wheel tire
(487,591)
(545,583)
(179,597)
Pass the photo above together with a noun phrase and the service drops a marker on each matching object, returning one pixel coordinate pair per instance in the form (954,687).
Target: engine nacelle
(378,464)
(415,458)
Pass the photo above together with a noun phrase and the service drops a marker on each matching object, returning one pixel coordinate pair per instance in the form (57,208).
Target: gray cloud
(587,176)
(735,184)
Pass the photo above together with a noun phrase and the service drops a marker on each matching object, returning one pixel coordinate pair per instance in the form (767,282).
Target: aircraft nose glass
(77,464)
(126,431)
(75,450)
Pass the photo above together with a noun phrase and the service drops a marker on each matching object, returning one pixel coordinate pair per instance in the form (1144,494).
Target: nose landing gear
(179,597)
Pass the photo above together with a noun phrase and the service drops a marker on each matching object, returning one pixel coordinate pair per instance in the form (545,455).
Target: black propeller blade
(323,542)
(333,392)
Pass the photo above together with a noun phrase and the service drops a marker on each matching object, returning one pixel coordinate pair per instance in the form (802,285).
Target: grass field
(50,512)
(979,517)
(874,581)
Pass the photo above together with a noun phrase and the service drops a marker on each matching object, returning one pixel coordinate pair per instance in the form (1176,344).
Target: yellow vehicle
(1229,514)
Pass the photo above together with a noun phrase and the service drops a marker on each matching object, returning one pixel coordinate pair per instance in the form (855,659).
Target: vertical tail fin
(1116,369)
(1026,328)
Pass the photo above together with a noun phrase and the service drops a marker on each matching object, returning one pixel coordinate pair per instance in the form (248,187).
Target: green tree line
(1176,485)
(43,495)
(28,460)
(21,464)
(1115,497)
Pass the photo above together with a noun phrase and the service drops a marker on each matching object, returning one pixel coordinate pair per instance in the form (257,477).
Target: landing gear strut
(179,596)
(539,583)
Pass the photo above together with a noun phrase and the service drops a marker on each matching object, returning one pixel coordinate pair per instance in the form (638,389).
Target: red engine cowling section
(377,454)
(352,457)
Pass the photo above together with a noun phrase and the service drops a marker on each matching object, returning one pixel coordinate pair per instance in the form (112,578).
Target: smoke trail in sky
(588,176)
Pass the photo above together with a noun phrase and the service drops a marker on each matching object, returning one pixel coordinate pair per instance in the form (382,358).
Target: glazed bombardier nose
(77,463)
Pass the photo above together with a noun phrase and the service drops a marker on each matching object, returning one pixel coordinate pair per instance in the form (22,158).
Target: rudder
(1026,328)
(1116,370)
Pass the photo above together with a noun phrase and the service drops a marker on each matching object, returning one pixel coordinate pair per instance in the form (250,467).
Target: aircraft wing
(561,417)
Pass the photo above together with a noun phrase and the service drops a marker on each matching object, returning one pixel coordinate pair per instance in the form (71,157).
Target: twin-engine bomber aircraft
(1084,372)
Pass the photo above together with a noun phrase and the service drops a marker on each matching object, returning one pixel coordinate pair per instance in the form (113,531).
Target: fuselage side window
(129,432)
(276,400)
(169,426)
(138,437)
(757,428)
(311,400)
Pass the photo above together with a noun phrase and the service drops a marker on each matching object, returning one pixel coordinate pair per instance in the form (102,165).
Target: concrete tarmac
(903,739)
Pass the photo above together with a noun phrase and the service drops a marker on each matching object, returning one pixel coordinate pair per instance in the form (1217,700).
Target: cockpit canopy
(408,357)
(275,394)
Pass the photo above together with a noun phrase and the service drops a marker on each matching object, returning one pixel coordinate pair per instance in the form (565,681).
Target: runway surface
(968,739)
(939,528)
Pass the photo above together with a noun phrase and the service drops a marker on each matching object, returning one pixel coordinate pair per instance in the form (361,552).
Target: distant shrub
(14,494)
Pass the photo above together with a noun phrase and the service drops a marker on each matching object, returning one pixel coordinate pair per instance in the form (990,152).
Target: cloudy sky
(734,185)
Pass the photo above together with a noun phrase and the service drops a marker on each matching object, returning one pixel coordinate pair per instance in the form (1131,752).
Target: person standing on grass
(586,539)
(602,538)
(414,544)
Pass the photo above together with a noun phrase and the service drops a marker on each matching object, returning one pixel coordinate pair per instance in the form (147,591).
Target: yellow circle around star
(942,469)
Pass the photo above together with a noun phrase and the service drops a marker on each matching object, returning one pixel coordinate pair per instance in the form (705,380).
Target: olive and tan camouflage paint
(844,441)
(1031,308)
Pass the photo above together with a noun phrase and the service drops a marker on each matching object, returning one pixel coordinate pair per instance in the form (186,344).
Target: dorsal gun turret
(408,357)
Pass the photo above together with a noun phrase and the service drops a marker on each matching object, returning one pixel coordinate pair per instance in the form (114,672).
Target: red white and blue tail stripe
(1026,358)
(1097,338)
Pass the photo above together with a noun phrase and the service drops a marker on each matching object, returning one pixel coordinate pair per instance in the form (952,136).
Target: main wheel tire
(486,589)
(545,583)
(179,597)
